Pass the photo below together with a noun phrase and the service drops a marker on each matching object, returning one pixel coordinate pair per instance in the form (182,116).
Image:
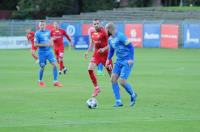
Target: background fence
(159,33)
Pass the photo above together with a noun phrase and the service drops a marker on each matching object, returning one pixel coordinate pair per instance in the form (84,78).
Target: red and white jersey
(57,36)
(100,39)
(30,37)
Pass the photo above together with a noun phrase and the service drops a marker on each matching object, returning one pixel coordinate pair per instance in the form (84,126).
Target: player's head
(96,24)
(110,28)
(42,25)
(56,25)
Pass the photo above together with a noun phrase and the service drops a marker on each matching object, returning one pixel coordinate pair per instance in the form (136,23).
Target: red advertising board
(85,28)
(169,36)
(134,33)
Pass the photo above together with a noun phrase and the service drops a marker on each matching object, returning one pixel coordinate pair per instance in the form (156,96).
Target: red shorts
(99,59)
(59,51)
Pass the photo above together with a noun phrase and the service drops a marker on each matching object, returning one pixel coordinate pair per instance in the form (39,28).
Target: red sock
(34,56)
(93,77)
(61,65)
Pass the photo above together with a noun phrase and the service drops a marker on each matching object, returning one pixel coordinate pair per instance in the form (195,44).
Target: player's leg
(42,63)
(62,66)
(33,53)
(115,86)
(110,66)
(52,60)
(56,54)
(125,72)
(92,75)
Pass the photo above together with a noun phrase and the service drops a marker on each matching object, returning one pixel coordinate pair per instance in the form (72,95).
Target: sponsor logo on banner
(71,30)
(151,35)
(169,36)
(134,33)
(14,43)
(191,38)
(81,42)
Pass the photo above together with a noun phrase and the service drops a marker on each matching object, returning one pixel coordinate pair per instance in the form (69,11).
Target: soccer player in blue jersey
(43,41)
(124,49)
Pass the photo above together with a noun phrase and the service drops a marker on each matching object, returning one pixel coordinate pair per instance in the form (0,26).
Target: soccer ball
(92,103)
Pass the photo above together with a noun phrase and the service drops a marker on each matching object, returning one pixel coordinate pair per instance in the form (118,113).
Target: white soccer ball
(92,103)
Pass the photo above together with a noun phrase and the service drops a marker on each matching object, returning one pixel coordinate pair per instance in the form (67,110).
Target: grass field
(167,83)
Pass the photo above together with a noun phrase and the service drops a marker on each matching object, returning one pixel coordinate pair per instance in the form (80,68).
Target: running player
(57,36)
(43,42)
(124,49)
(30,37)
(100,42)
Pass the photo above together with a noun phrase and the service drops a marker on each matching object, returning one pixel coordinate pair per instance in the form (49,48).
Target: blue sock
(100,67)
(129,89)
(41,71)
(115,88)
(55,74)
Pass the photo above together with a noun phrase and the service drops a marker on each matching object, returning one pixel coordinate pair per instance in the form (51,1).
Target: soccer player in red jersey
(99,39)
(57,37)
(30,36)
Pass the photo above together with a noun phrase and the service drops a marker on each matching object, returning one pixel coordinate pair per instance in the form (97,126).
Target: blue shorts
(44,56)
(123,70)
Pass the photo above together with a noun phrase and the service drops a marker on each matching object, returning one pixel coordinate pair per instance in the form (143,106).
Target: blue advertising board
(72,28)
(191,35)
(151,35)
(81,42)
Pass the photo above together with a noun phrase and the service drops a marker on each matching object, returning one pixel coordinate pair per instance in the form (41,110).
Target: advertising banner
(14,43)
(191,36)
(169,36)
(134,34)
(151,35)
(81,42)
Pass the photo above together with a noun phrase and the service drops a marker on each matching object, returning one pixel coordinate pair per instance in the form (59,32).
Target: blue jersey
(120,44)
(43,37)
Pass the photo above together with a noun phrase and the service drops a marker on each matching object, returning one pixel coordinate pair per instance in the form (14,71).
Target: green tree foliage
(39,9)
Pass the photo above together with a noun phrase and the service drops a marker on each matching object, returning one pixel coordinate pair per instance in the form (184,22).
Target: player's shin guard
(55,74)
(129,89)
(41,71)
(116,92)
(92,77)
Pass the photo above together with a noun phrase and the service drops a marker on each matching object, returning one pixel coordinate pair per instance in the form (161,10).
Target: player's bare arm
(89,49)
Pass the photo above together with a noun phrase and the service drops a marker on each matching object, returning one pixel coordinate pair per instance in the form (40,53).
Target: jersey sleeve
(124,39)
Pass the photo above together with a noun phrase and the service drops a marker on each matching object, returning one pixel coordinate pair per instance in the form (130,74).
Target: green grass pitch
(167,82)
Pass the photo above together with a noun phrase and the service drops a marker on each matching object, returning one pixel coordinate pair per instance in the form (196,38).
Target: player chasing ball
(124,49)
(99,41)
(43,42)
